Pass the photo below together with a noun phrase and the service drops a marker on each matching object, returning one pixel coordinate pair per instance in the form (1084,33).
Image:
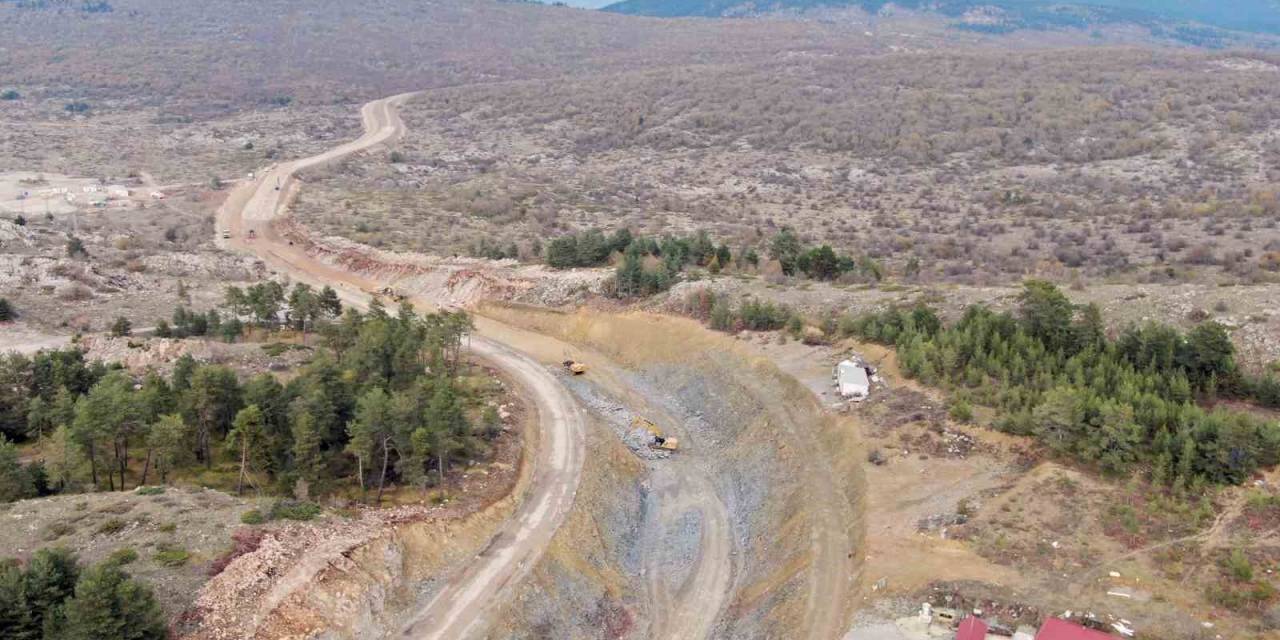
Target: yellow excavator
(573,365)
(391,294)
(660,441)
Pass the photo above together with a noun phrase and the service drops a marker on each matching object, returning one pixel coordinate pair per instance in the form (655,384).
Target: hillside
(1197,22)
(195,59)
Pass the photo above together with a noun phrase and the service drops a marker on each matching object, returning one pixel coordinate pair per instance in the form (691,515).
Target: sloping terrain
(1195,22)
(193,525)
(787,476)
(1084,163)
(194,59)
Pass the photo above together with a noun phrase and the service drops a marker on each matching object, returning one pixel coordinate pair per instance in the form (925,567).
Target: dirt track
(459,609)
(691,607)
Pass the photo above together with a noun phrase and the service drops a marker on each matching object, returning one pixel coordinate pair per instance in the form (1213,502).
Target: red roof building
(972,628)
(1056,629)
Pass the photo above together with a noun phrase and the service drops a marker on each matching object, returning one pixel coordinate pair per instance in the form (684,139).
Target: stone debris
(454,281)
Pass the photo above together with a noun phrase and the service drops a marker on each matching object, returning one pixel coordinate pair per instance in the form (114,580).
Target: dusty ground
(949,173)
(336,574)
(196,521)
(200,523)
(68,177)
(961,514)
(142,258)
(912,518)
(751,449)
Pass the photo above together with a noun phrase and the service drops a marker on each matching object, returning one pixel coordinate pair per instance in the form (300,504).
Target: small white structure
(117,191)
(157,195)
(852,381)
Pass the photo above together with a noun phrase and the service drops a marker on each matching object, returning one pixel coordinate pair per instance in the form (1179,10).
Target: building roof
(852,373)
(1057,629)
(972,628)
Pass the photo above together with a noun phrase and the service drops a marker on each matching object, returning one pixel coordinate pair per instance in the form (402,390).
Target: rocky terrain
(1140,178)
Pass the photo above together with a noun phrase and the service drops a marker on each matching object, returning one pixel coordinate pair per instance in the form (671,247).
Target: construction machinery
(574,367)
(391,294)
(659,441)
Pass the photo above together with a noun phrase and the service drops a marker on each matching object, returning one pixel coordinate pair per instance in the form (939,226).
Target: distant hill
(1182,19)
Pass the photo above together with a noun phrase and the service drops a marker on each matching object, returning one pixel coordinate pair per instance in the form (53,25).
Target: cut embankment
(753,441)
(340,578)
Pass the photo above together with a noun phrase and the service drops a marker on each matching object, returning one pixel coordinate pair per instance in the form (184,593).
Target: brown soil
(356,572)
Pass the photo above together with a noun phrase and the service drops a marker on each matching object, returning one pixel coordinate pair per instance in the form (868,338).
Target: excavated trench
(750,531)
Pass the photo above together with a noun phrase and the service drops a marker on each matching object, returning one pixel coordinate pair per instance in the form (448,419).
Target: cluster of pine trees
(1053,373)
(752,314)
(266,304)
(818,262)
(53,599)
(382,399)
(651,265)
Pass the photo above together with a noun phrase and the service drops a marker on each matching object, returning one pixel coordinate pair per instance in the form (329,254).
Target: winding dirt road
(461,607)
(688,609)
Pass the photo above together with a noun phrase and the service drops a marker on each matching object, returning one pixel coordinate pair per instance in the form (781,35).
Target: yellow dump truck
(659,441)
(391,294)
(574,367)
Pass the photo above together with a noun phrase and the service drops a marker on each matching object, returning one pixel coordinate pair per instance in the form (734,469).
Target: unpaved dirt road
(460,608)
(688,610)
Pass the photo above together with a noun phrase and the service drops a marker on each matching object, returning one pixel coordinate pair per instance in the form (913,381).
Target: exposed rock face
(754,444)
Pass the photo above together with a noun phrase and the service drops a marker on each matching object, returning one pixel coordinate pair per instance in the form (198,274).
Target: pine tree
(270,397)
(246,436)
(15,619)
(308,460)
(372,433)
(329,303)
(62,457)
(50,579)
(170,441)
(108,604)
(446,426)
(211,404)
(122,327)
(15,482)
(629,277)
(40,418)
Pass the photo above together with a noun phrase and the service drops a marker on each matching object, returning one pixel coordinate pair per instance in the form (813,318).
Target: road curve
(462,606)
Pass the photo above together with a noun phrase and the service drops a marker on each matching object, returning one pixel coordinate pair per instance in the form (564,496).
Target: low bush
(122,556)
(110,527)
(172,556)
(295,510)
(56,530)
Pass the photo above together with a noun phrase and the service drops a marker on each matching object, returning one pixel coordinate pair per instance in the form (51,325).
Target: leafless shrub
(75,292)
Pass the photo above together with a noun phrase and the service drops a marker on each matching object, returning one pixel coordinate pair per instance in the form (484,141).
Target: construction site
(814,321)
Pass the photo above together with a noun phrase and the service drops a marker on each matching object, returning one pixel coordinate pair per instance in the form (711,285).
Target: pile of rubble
(143,353)
(456,280)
